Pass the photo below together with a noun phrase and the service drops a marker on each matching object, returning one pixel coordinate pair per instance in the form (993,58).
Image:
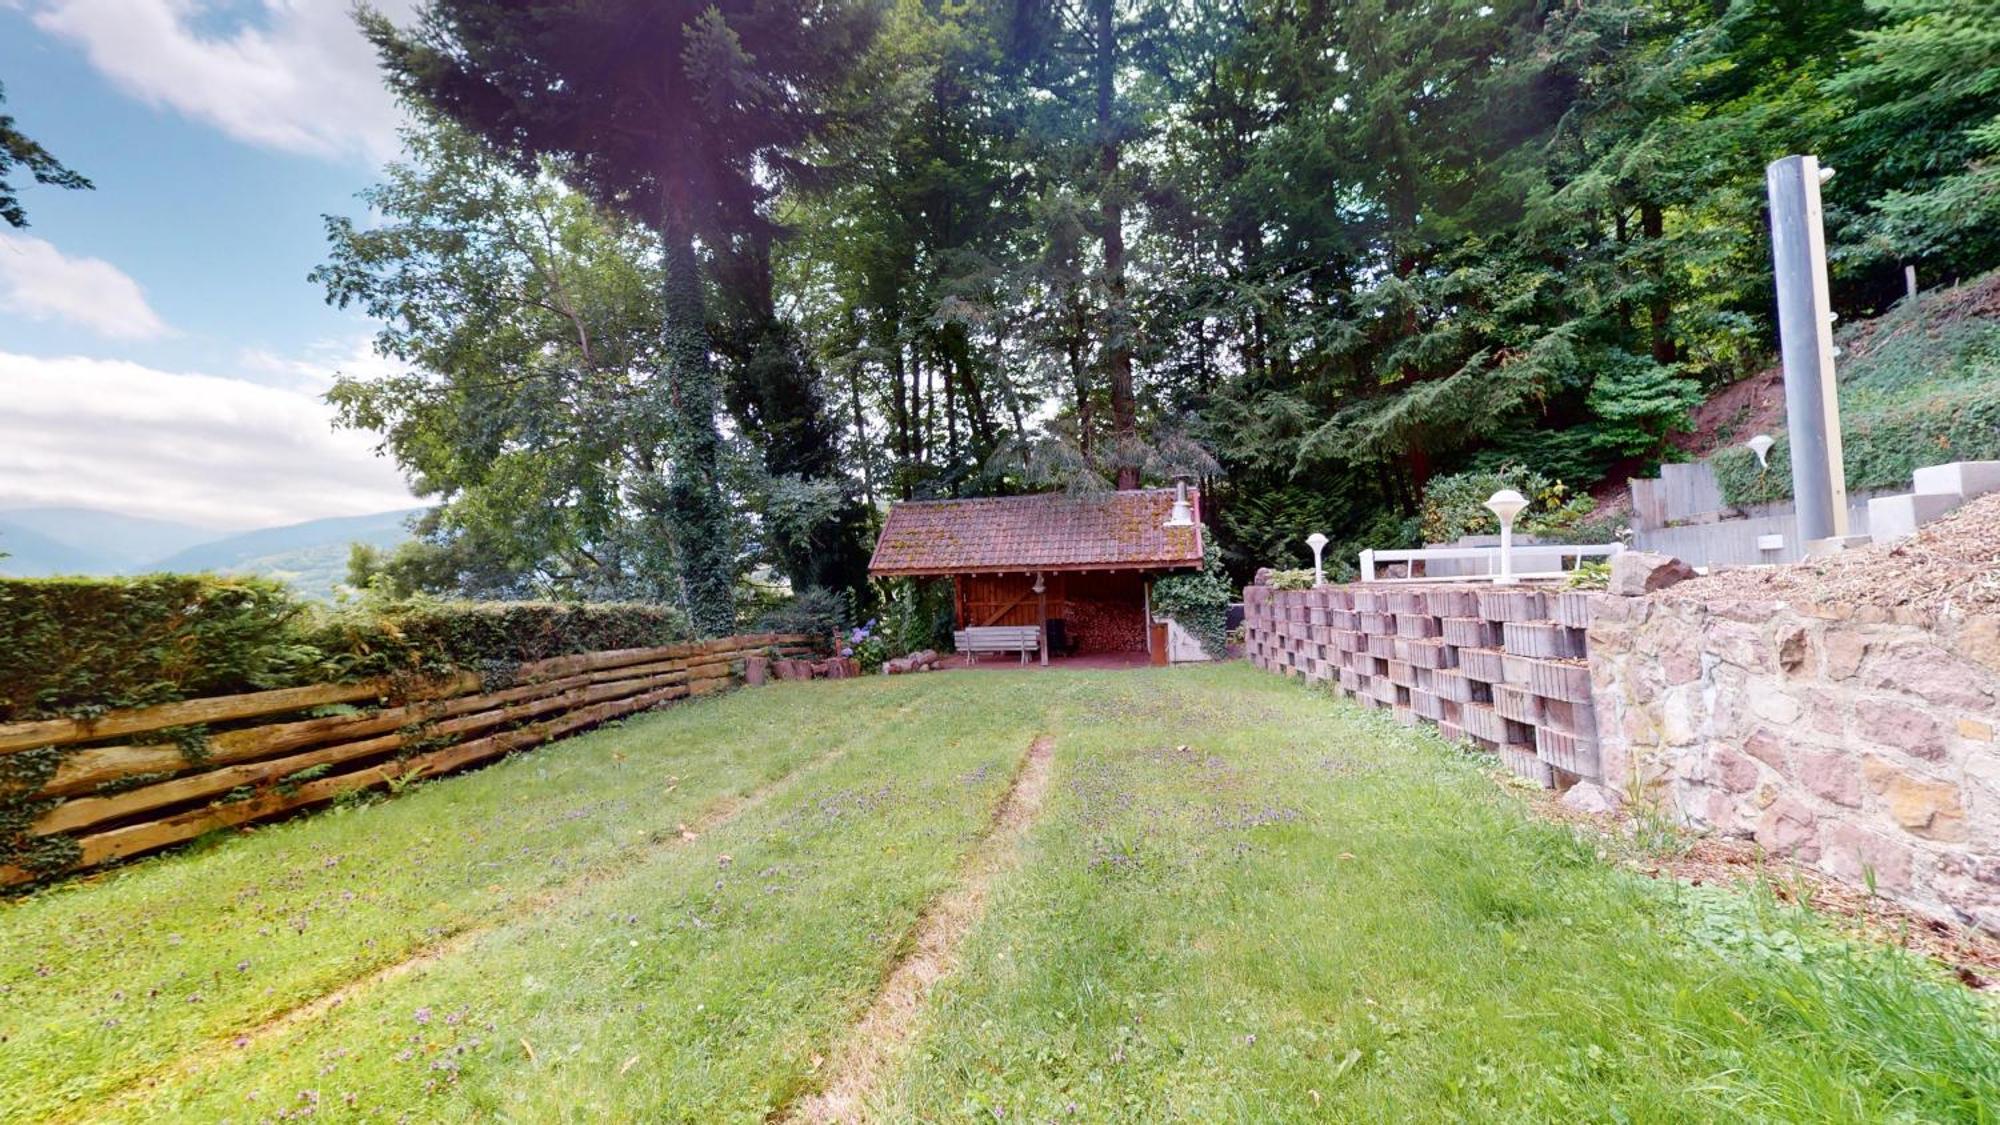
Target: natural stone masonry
(1859,741)
(1490,666)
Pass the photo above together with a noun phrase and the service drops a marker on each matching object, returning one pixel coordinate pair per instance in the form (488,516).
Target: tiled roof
(1051,531)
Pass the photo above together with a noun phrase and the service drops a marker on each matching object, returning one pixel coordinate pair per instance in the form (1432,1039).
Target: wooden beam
(1042,609)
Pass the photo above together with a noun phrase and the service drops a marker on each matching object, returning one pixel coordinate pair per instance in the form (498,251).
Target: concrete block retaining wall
(1858,742)
(1499,667)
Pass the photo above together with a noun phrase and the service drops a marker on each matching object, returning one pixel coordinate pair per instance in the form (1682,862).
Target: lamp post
(1761,446)
(1318,543)
(1506,504)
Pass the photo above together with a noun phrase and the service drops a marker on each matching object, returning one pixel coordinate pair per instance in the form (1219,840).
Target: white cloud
(314,372)
(40,282)
(207,450)
(298,76)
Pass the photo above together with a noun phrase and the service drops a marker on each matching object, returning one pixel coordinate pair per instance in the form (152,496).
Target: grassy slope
(1306,914)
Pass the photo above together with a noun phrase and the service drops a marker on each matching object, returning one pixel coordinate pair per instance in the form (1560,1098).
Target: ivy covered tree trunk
(697,515)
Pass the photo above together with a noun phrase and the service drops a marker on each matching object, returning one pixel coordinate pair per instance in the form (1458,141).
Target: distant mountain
(30,554)
(100,542)
(311,556)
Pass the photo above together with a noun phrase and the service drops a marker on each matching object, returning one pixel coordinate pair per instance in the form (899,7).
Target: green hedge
(73,646)
(80,646)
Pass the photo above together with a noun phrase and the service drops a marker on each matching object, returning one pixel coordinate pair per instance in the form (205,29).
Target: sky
(161,351)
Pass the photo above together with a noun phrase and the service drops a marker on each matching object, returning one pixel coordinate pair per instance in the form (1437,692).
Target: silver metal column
(1805,336)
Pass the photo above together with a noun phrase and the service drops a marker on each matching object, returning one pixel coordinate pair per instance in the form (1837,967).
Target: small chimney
(1182,515)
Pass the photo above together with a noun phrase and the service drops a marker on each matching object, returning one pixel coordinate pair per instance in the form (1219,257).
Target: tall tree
(1923,136)
(18,150)
(524,320)
(675,113)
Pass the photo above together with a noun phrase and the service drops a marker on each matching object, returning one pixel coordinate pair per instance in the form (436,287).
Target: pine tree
(17,149)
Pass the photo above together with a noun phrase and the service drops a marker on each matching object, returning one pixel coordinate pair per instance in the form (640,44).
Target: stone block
(1451,732)
(1854,854)
(1407,601)
(1482,664)
(1512,605)
(1482,721)
(1516,704)
(1929,673)
(1523,762)
(1922,806)
(1455,685)
(1790,828)
(1589,797)
(1370,601)
(1377,622)
(1830,775)
(1416,625)
(1516,669)
(1401,674)
(1635,573)
(1579,719)
(1914,731)
(1428,705)
(1567,752)
(1572,608)
(1432,654)
(1453,601)
(1382,645)
(1542,640)
(1470,632)
(1565,681)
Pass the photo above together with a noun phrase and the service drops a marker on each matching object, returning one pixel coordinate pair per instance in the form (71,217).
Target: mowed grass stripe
(873,1044)
(1253,903)
(700,987)
(113,978)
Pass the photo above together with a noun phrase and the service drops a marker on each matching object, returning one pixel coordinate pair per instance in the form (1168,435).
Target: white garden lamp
(1318,543)
(1761,446)
(1506,504)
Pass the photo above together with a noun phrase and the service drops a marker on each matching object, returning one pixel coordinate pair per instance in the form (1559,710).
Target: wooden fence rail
(114,796)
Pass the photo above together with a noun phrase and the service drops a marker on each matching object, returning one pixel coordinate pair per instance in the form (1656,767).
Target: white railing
(1491,557)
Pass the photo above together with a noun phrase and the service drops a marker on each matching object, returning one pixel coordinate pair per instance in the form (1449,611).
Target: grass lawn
(1238,900)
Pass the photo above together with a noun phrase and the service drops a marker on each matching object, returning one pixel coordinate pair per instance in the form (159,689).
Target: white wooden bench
(997,638)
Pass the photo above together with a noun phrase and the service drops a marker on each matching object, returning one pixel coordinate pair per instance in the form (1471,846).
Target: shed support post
(1042,612)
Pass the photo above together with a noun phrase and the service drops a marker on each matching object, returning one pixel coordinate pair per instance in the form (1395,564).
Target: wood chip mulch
(1953,561)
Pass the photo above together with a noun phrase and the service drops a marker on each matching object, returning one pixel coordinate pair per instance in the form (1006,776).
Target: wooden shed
(1093,556)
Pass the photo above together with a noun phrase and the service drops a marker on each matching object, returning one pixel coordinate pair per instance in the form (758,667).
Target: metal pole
(1506,551)
(1805,337)
(1910,281)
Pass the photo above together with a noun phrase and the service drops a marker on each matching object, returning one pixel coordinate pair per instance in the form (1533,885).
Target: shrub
(1455,505)
(1291,580)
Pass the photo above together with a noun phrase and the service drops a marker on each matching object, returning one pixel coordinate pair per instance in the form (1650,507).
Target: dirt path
(199,1059)
(863,1057)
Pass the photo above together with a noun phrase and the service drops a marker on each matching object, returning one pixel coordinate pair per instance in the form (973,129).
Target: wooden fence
(133,781)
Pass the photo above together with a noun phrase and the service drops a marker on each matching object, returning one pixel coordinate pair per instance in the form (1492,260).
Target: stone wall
(1856,741)
(1502,668)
